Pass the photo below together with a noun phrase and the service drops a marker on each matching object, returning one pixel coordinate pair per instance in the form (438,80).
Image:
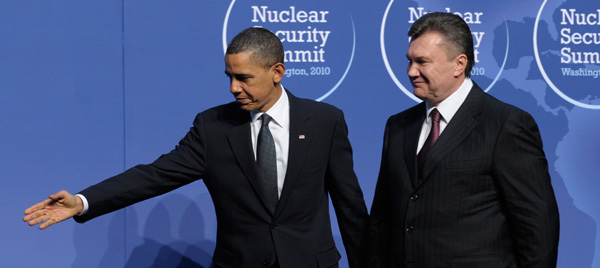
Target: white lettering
(324,35)
(469,17)
(566,38)
(304,36)
(477,36)
(571,18)
(282,18)
(263,14)
(579,57)
(578,38)
(305,55)
(564,52)
(414,15)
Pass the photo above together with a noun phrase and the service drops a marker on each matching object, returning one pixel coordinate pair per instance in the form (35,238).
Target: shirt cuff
(86,206)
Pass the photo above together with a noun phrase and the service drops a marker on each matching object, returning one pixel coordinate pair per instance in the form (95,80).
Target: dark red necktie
(434,134)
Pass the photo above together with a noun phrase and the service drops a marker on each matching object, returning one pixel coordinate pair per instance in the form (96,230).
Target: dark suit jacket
(218,149)
(485,199)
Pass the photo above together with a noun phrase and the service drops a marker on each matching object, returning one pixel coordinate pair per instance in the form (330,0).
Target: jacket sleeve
(179,167)
(346,195)
(521,173)
(379,220)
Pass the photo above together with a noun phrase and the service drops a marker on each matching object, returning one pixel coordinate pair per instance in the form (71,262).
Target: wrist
(81,204)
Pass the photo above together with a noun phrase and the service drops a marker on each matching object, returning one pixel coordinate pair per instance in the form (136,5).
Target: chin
(245,107)
(420,94)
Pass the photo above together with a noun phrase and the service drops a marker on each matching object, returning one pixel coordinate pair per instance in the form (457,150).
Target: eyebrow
(239,75)
(416,58)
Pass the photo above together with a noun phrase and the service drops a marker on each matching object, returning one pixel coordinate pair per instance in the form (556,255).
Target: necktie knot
(435,125)
(265,119)
(435,116)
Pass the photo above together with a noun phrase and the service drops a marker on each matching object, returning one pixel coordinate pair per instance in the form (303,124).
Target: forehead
(240,62)
(427,44)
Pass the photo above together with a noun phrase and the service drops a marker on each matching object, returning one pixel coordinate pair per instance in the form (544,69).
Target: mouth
(243,101)
(418,80)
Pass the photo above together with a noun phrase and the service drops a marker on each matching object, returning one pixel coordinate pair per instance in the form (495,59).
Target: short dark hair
(454,29)
(265,46)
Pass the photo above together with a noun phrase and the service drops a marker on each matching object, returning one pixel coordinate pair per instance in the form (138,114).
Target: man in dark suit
(464,179)
(272,211)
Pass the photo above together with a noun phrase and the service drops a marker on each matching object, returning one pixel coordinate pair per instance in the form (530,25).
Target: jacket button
(273,226)
(414,197)
(409,229)
(266,262)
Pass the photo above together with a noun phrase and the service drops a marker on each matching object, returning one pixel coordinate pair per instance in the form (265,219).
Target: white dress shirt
(280,129)
(447,109)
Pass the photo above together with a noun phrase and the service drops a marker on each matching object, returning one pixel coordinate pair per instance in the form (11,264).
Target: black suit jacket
(485,199)
(218,149)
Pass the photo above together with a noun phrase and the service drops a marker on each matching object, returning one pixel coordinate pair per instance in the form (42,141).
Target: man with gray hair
(464,179)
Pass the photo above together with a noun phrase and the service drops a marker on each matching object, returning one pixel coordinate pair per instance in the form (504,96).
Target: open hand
(58,207)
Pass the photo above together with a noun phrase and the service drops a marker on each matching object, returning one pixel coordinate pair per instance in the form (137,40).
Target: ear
(278,71)
(461,65)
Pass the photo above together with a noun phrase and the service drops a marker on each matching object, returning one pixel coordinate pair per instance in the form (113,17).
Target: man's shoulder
(224,112)
(224,108)
(496,106)
(496,111)
(414,112)
(312,106)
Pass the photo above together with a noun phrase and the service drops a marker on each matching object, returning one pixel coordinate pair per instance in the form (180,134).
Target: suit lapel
(300,139)
(241,144)
(456,131)
(411,140)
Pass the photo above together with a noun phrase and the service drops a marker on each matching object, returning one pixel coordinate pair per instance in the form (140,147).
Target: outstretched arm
(58,207)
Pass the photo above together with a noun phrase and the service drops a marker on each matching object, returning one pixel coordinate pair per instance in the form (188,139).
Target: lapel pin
(301,137)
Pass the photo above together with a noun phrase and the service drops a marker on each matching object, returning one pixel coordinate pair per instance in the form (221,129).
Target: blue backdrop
(91,88)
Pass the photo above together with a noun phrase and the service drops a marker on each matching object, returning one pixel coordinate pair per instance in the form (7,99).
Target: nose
(234,87)
(412,70)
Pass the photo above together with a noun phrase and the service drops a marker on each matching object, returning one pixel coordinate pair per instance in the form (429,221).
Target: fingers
(52,199)
(50,211)
(60,195)
(34,215)
(45,217)
(35,220)
(47,221)
(47,224)
(37,207)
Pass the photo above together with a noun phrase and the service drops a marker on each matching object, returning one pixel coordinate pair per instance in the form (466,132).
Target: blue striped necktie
(266,161)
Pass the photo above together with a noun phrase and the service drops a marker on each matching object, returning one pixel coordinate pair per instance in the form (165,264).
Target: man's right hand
(58,207)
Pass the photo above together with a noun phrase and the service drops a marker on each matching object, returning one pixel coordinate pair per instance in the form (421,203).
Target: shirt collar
(450,105)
